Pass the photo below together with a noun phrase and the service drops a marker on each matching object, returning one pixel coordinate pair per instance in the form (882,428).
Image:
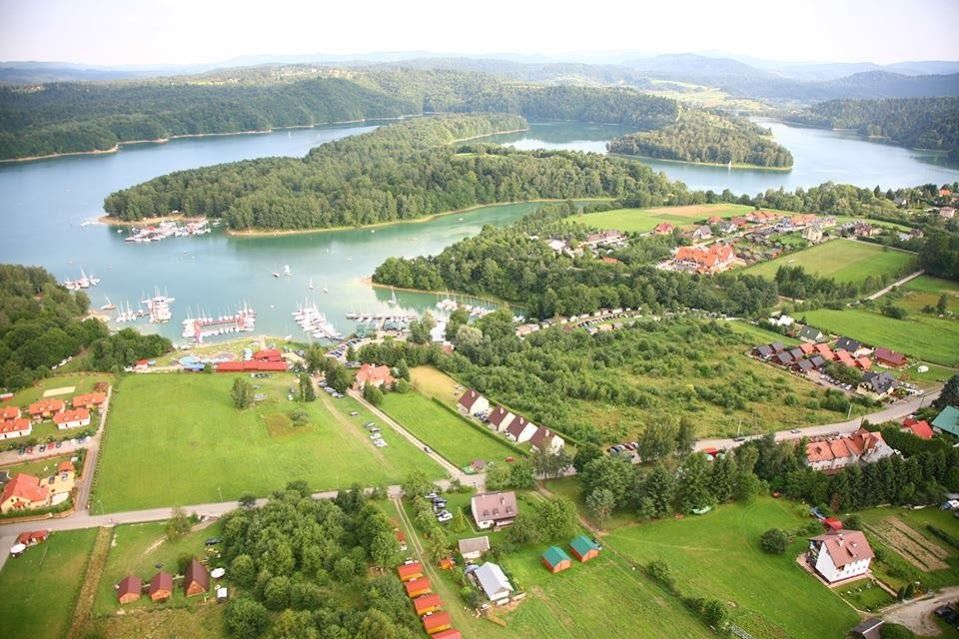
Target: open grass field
(82,383)
(38,591)
(929,338)
(436,384)
(925,291)
(177,440)
(600,599)
(842,260)
(718,555)
(135,549)
(645,220)
(450,435)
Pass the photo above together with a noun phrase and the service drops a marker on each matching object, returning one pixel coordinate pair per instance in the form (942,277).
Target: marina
(206,326)
(83,282)
(166,230)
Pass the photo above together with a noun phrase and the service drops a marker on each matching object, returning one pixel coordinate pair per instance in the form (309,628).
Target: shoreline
(368,280)
(108,220)
(416,220)
(738,167)
(119,146)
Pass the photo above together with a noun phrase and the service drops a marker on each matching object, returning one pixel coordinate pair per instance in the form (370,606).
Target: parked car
(42,448)
(354,413)
(212,541)
(426,449)
(59,444)
(444,516)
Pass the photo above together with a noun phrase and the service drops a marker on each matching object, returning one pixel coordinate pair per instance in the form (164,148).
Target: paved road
(477,480)
(917,614)
(892,412)
(908,278)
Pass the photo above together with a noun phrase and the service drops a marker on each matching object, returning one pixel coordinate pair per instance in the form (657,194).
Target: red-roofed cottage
(920,429)
(839,556)
(472,403)
(23,492)
(13,428)
(427,603)
(436,622)
(410,571)
(45,408)
(890,358)
(73,418)
(376,375)
(418,587)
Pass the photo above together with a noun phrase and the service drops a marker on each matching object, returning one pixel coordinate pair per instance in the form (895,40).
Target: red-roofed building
(663,228)
(427,603)
(832,454)
(545,440)
(9,412)
(472,403)
(890,358)
(501,418)
(46,408)
(807,348)
(448,634)
(715,259)
(73,418)
(437,622)
(13,428)
(90,400)
(66,467)
(845,358)
(33,538)
(839,556)
(864,363)
(258,366)
(832,523)
(418,587)
(825,352)
(268,355)
(23,492)
(920,429)
(376,375)
(410,571)
(129,589)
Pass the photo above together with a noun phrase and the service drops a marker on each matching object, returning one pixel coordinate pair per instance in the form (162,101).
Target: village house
(418,587)
(500,419)
(378,376)
(889,358)
(545,440)
(436,622)
(832,454)
(427,603)
(812,234)
(845,358)
(663,228)
(782,321)
(825,352)
(701,233)
(715,259)
(608,238)
(472,403)
(73,418)
(61,483)
(23,492)
(33,538)
(947,421)
(840,555)
(727,227)
(494,510)
(947,212)
(9,412)
(493,582)
(161,587)
(409,571)
(196,580)
(473,547)
(877,385)
(520,430)
(13,428)
(556,560)
(45,408)
(452,633)
(584,548)
(89,400)
(848,344)
(919,428)
(129,589)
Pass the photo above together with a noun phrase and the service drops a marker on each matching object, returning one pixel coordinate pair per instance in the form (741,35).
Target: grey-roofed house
(473,547)
(879,384)
(783,358)
(778,347)
(848,344)
(492,580)
(810,334)
(868,629)
(817,361)
(804,365)
(797,353)
(765,351)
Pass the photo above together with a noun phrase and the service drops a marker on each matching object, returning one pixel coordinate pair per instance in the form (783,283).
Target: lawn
(718,555)
(177,440)
(928,338)
(38,591)
(436,384)
(450,435)
(645,220)
(135,549)
(843,261)
(866,595)
(600,599)
(925,291)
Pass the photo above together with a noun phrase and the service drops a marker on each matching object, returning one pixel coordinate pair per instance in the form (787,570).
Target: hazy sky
(119,32)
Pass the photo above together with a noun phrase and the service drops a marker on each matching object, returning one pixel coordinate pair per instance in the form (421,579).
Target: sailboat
(311,284)
(275,272)
(109,306)
(392,300)
(286,270)
(325,289)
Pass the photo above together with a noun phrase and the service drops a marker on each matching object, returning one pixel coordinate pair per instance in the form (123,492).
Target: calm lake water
(43,203)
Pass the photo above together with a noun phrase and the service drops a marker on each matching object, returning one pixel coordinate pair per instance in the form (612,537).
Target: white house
(494,510)
(472,403)
(520,430)
(545,440)
(13,428)
(840,555)
(76,418)
(834,453)
(500,419)
(491,578)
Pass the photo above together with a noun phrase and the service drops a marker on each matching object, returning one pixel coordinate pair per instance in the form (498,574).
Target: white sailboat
(392,300)
(311,284)
(287,271)
(109,306)
(275,272)
(325,289)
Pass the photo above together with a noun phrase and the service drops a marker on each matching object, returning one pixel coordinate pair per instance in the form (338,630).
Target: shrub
(774,541)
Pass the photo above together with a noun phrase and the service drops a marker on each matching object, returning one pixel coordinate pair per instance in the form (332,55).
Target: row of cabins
(196,581)
(708,260)
(27,492)
(582,547)
(13,423)
(428,605)
(268,360)
(515,428)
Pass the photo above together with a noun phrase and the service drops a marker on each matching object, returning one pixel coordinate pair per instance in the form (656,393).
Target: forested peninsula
(398,172)
(919,123)
(699,136)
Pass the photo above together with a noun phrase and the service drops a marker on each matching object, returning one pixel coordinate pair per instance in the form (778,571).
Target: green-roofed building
(556,559)
(584,548)
(948,420)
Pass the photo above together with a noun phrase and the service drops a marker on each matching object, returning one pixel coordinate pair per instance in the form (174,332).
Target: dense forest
(303,568)
(919,123)
(402,171)
(699,136)
(41,325)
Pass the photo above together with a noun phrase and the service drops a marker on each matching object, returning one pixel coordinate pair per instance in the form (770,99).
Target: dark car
(212,541)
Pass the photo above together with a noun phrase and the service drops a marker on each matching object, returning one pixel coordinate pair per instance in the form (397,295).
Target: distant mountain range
(745,77)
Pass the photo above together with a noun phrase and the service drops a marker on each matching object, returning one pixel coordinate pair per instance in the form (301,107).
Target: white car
(444,516)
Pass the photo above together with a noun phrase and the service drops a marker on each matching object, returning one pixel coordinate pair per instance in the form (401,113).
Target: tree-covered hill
(401,171)
(699,136)
(919,123)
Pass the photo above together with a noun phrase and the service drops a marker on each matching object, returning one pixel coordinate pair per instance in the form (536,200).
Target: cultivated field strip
(919,551)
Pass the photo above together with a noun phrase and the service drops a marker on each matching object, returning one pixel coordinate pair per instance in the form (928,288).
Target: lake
(43,203)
